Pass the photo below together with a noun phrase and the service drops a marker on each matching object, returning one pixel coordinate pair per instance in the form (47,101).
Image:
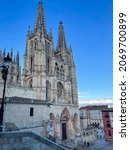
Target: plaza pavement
(100,144)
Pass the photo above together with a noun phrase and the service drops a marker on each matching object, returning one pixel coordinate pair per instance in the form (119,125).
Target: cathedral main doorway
(65,124)
(64,136)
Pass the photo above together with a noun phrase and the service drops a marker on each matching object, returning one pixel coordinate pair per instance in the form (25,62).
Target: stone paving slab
(99,144)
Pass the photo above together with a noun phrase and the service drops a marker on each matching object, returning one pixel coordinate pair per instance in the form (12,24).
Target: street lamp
(4,69)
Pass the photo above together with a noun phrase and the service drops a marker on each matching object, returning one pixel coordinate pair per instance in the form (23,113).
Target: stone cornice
(20,100)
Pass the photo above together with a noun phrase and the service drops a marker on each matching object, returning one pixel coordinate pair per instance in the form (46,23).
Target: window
(60,90)
(59,71)
(106,115)
(62,72)
(31,111)
(31,65)
(48,64)
(108,124)
(35,44)
(109,133)
(31,48)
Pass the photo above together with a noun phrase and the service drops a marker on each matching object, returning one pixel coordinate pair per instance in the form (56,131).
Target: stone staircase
(26,141)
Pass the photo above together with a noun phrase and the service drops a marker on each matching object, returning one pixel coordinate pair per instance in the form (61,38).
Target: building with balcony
(98,117)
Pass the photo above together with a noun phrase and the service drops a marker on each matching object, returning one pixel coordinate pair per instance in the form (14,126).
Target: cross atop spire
(61,37)
(40,21)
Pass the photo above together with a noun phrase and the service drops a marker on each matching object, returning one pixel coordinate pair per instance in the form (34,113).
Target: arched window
(48,64)
(48,46)
(31,64)
(59,71)
(31,49)
(60,90)
(62,72)
(48,91)
(35,45)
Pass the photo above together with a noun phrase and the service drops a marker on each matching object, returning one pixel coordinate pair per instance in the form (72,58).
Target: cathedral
(43,97)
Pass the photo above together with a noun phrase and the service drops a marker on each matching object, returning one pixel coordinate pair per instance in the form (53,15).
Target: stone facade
(49,71)
(47,118)
(16,90)
(45,100)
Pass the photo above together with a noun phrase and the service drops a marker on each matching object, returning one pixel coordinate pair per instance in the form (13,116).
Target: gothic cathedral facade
(44,98)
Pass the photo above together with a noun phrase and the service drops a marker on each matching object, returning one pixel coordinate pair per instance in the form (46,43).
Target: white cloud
(84,95)
(96,102)
(86,98)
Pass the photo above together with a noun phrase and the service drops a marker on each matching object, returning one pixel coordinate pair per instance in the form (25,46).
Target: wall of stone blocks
(26,141)
(12,90)
(19,114)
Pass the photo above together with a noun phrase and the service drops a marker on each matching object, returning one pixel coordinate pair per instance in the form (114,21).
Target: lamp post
(4,70)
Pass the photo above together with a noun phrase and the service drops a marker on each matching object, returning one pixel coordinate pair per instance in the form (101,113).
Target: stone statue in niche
(49,128)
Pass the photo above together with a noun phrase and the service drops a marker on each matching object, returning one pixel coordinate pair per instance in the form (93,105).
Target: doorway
(64,136)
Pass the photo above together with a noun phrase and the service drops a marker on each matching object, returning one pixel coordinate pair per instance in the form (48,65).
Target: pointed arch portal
(65,124)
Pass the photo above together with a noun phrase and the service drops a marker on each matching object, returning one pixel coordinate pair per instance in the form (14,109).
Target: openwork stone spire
(17,57)
(11,53)
(72,59)
(40,21)
(61,37)
(28,34)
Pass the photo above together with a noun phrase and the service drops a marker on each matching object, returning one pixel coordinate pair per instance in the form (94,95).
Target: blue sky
(88,28)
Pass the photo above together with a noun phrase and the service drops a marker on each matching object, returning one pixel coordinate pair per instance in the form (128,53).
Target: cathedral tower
(37,48)
(14,74)
(48,71)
